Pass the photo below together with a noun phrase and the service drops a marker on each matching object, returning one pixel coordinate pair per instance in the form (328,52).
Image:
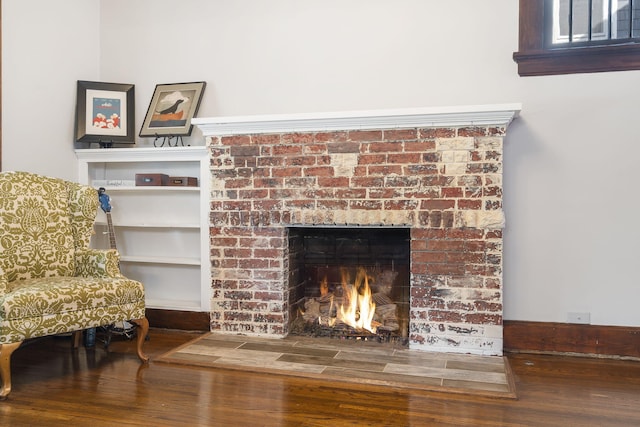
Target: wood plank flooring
(352,361)
(53,386)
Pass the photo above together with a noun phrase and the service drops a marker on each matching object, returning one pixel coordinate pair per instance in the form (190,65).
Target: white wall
(569,159)
(46,47)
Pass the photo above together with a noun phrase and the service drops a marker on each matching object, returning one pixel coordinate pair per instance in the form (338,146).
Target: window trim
(535,59)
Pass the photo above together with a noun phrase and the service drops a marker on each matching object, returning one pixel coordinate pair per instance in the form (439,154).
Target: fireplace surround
(436,172)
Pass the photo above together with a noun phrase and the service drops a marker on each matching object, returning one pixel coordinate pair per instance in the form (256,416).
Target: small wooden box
(183,181)
(151,179)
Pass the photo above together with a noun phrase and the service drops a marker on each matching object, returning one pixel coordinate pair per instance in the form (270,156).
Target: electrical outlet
(579,318)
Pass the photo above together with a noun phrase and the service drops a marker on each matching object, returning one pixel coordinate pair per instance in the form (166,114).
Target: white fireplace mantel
(475,115)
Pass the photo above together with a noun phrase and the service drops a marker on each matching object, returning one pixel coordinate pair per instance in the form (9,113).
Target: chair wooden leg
(5,367)
(143,330)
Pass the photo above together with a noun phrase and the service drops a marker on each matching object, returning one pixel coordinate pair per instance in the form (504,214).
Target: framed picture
(105,113)
(171,109)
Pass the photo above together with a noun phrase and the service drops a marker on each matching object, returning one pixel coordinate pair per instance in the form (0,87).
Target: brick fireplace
(434,172)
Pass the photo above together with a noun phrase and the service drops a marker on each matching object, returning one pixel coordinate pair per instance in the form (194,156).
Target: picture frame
(171,109)
(105,113)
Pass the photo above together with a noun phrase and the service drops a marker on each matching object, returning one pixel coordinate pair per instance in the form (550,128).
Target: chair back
(43,221)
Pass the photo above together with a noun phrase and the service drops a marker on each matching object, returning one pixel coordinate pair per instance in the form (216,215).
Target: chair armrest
(97,263)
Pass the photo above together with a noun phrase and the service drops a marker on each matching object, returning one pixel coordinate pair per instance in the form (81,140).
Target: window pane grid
(595,21)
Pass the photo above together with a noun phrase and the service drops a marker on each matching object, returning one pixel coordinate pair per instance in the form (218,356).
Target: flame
(324,287)
(358,307)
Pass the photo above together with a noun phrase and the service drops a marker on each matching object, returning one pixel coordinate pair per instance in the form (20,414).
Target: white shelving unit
(162,232)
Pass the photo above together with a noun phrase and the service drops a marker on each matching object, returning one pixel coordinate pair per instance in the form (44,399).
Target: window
(593,21)
(578,36)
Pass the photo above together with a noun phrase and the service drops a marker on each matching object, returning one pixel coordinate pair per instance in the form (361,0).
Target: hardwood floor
(53,385)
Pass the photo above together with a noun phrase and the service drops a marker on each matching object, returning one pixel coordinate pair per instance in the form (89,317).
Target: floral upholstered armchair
(51,282)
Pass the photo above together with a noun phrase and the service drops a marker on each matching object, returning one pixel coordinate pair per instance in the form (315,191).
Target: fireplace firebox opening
(350,282)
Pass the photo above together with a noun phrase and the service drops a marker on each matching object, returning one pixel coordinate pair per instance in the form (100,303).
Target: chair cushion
(38,307)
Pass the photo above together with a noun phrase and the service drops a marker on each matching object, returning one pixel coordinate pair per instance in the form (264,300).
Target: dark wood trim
(569,338)
(534,59)
(182,320)
(584,60)
(531,26)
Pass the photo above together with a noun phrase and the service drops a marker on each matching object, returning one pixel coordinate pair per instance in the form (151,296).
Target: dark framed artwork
(105,113)
(171,109)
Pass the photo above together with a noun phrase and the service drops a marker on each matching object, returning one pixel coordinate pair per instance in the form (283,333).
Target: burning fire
(361,304)
(358,308)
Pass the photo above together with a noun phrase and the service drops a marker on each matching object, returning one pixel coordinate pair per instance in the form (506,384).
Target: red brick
(313,149)
(472,131)
(496,131)
(469,204)
(265,139)
(267,253)
(483,319)
(429,257)
(343,147)
(350,193)
(493,283)
(400,134)
(428,193)
(372,159)
(297,138)
(465,257)
(429,133)
(437,204)
(268,296)
(338,136)
(445,245)
(445,269)
(401,181)
(245,150)
(385,170)
(339,182)
(367,182)
(230,205)
(253,194)
(270,161)
(404,158)
(452,192)
(383,193)
(465,234)
(235,140)
(319,171)
(385,147)
(400,205)
(287,150)
(287,172)
(365,135)
(267,183)
(237,252)
(419,146)
(299,161)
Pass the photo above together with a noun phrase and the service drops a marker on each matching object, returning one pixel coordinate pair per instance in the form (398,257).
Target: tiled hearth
(436,172)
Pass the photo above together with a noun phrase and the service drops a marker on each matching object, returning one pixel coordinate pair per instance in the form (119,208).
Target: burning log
(358,309)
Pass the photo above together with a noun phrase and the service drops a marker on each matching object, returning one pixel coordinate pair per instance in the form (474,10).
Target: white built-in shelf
(160,260)
(152,188)
(150,225)
(162,232)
